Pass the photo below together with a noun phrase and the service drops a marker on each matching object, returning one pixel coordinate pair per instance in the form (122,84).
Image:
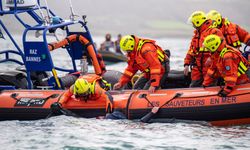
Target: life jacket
(142,63)
(152,68)
(98,87)
(200,35)
(243,64)
(200,54)
(93,79)
(230,33)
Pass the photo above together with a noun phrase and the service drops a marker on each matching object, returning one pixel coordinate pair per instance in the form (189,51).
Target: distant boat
(112,57)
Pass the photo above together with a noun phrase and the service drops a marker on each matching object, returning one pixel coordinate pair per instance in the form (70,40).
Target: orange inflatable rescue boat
(195,104)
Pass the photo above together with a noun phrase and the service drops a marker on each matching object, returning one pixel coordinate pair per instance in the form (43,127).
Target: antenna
(72,15)
(42,15)
(47,9)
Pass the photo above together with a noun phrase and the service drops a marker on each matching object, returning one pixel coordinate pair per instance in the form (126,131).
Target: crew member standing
(197,58)
(233,33)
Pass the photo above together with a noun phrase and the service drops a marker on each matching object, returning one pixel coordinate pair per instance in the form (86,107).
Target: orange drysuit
(196,56)
(96,91)
(230,65)
(147,57)
(233,33)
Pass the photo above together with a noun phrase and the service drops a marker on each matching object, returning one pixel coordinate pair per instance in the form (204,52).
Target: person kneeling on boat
(84,90)
(228,63)
(146,56)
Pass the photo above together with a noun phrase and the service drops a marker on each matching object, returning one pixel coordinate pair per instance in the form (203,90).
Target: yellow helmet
(212,42)
(127,43)
(197,18)
(215,15)
(81,86)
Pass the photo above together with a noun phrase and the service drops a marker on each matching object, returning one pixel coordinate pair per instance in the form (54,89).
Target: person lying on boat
(197,58)
(228,63)
(233,33)
(85,90)
(144,55)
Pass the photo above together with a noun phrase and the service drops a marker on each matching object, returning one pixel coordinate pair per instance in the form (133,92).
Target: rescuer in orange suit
(146,56)
(94,89)
(233,33)
(198,58)
(228,63)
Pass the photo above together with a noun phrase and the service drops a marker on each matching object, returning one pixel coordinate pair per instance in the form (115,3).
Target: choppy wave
(78,133)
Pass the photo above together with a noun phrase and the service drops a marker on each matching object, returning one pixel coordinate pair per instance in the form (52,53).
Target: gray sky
(151,17)
(156,18)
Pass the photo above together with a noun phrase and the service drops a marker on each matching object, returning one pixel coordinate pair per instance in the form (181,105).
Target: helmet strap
(220,25)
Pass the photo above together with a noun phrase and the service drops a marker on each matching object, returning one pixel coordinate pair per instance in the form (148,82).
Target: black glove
(56,107)
(204,86)
(222,93)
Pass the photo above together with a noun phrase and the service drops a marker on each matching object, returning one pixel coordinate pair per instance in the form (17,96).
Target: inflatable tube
(196,104)
(112,76)
(175,79)
(68,80)
(27,104)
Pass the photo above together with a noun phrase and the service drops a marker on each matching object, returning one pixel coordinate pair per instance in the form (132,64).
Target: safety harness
(160,53)
(231,33)
(242,68)
(201,49)
(103,83)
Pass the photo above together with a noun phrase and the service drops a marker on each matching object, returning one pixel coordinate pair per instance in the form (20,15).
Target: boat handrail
(7,52)
(44,26)
(15,8)
(7,59)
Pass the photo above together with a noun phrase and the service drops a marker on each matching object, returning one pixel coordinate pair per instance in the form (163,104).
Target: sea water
(71,133)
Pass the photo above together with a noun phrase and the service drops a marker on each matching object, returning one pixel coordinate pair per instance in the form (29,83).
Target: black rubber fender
(112,76)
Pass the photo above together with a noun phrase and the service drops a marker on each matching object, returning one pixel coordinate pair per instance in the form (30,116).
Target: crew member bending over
(149,58)
(95,89)
(228,63)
